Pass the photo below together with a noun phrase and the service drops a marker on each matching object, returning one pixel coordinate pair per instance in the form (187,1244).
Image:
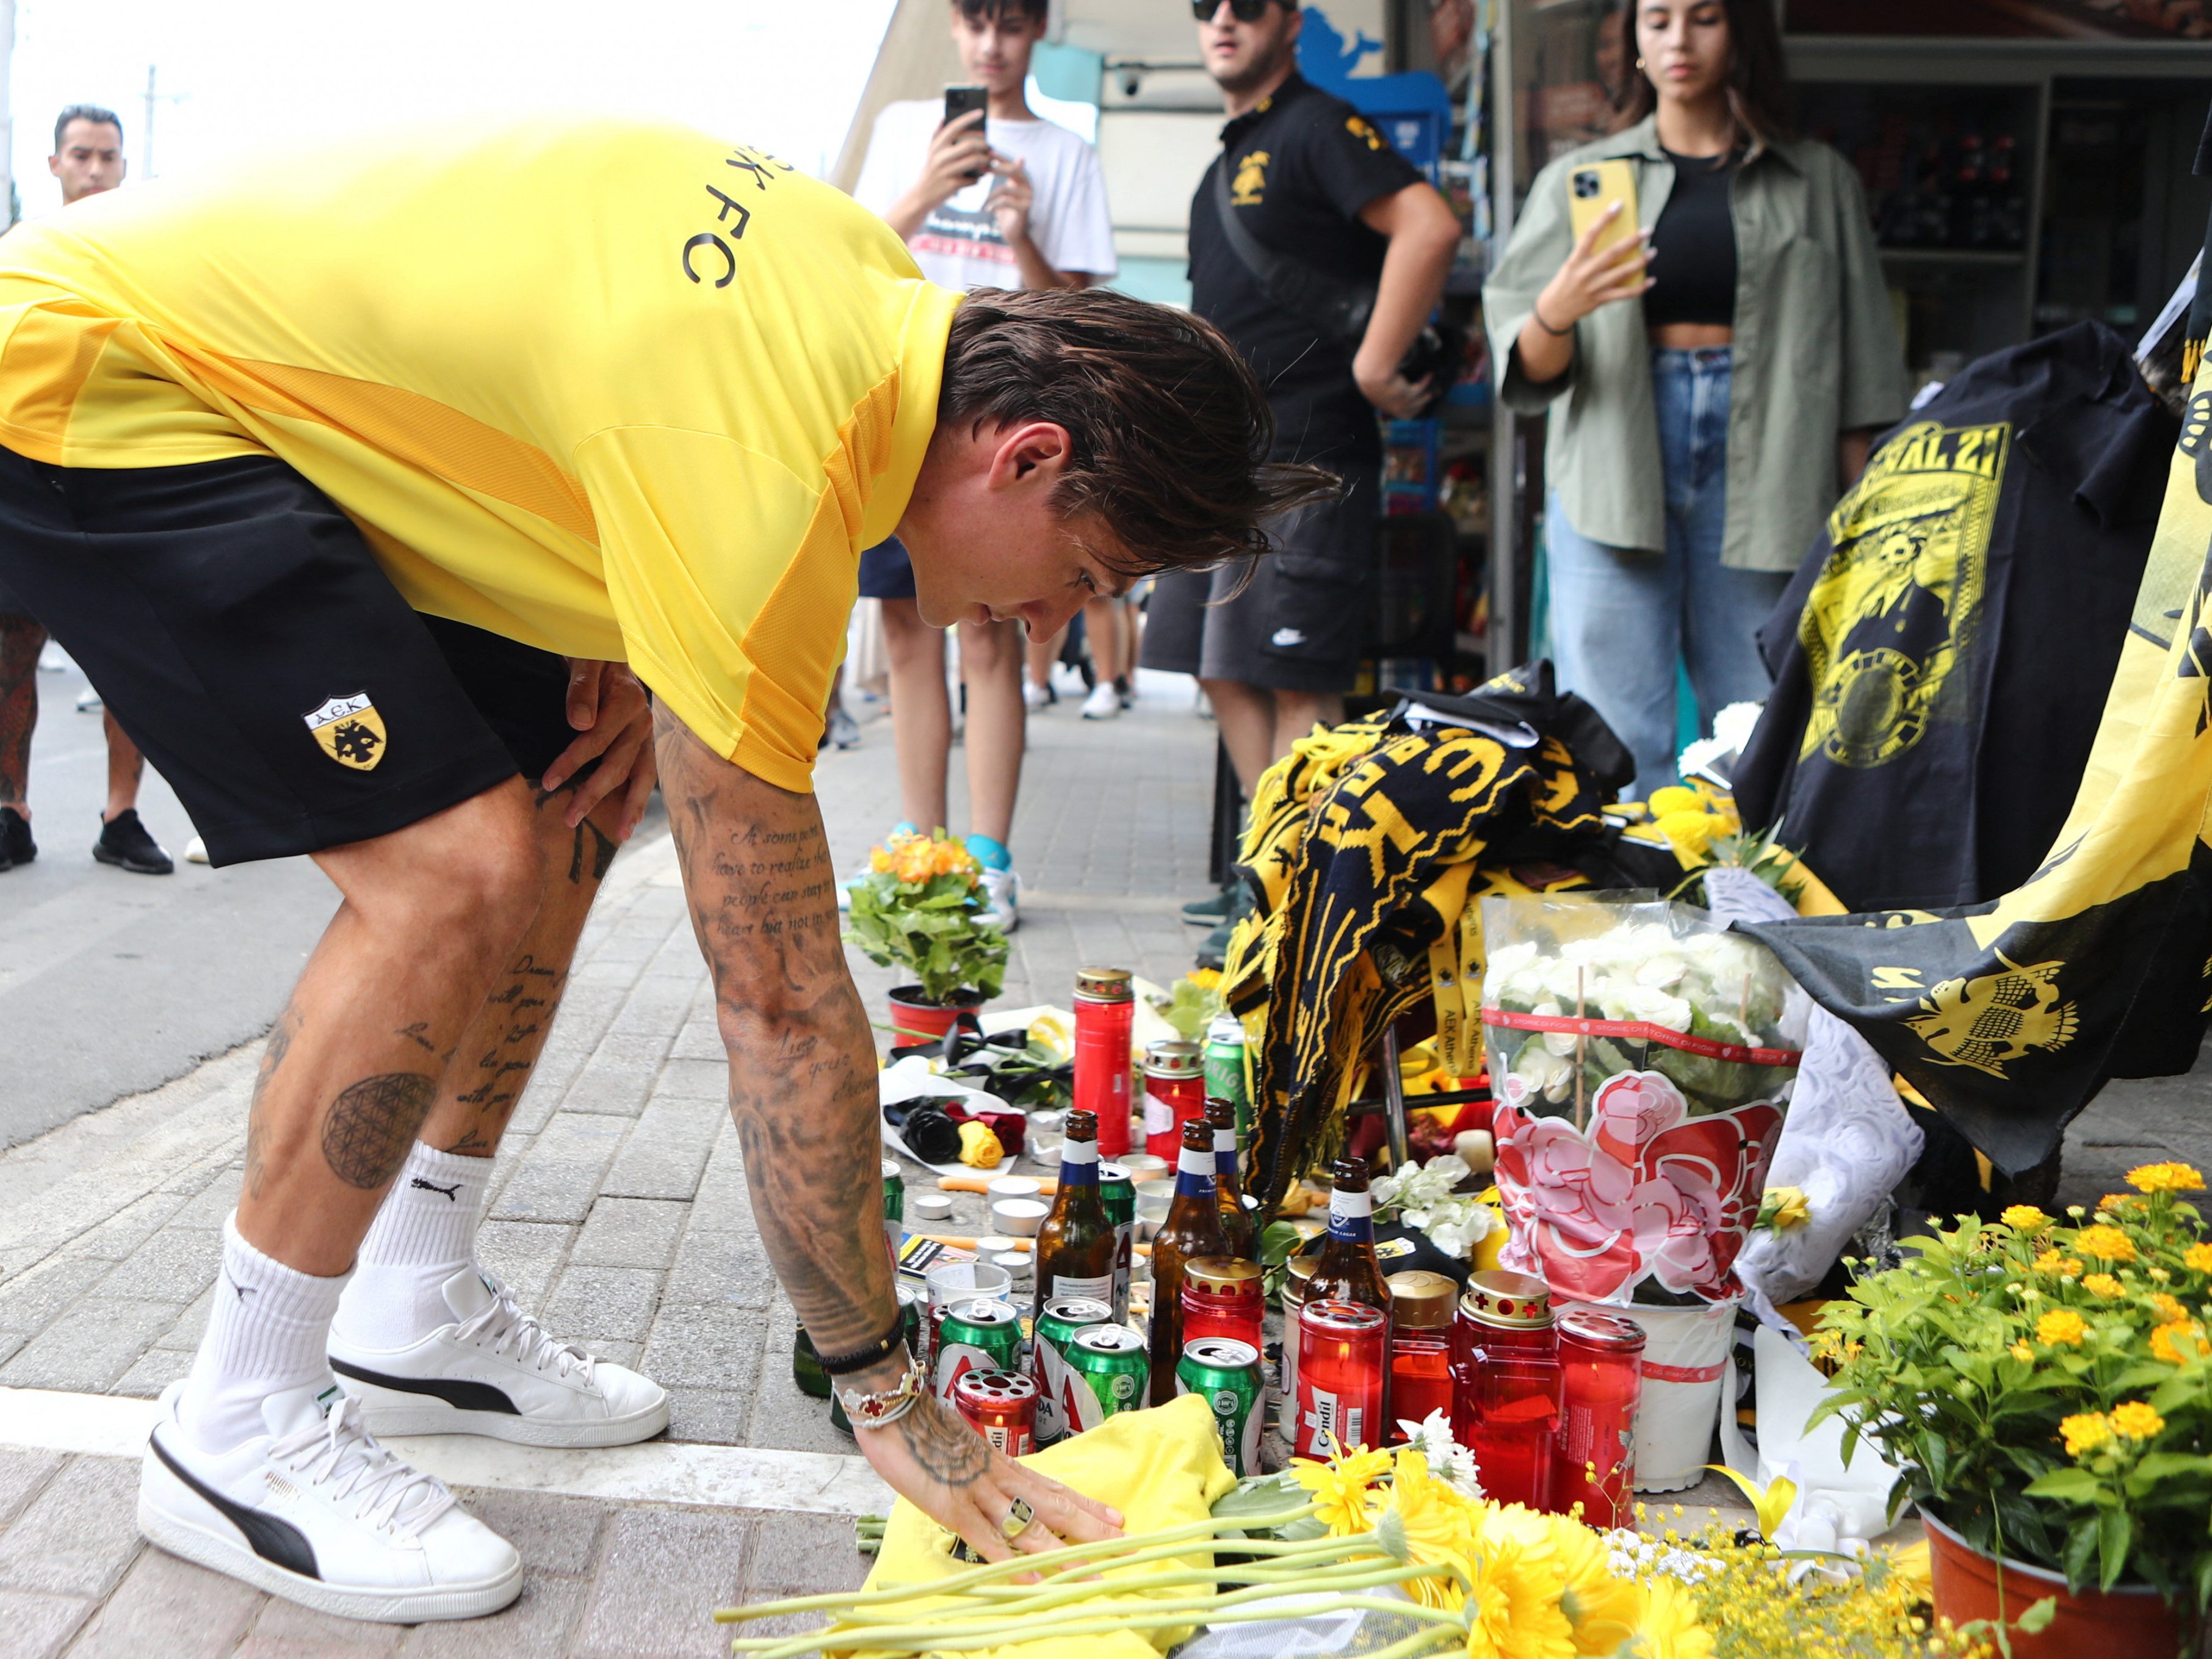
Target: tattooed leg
(430,914)
(503,1042)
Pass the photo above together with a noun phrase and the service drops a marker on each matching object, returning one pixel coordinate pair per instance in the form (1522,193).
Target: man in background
(88,158)
(1311,181)
(1010,201)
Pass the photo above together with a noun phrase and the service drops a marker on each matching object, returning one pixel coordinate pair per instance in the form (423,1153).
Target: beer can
(1056,1326)
(1119,1194)
(1340,1377)
(1001,1406)
(977,1336)
(1107,1374)
(1224,1068)
(1227,1372)
(894,1207)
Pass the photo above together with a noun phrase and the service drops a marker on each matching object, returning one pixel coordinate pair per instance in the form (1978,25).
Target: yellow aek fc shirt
(614,389)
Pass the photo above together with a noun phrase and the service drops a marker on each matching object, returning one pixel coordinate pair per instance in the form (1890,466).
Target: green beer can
(894,1207)
(977,1336)
(1224,1068)
(1227,1372)
(1119,1194)
(1048,1346)
(1109,1373)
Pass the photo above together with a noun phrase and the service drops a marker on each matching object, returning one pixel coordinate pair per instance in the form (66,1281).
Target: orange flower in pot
(921,906)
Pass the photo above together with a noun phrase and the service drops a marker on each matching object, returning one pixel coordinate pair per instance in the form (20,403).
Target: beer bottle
(1348,1270)
(1239,1223)
(1192,1228)
(1076,1245)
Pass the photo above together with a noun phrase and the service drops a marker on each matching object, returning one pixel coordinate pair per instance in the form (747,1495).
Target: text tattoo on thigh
(372,1124)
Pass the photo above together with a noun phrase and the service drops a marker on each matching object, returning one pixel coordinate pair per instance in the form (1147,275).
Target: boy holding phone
(997,197)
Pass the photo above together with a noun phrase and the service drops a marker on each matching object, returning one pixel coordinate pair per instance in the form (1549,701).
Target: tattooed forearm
(372,1124)
(803,1087)
(943,1446)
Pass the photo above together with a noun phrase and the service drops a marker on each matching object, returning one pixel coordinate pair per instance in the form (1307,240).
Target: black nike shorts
(241,632)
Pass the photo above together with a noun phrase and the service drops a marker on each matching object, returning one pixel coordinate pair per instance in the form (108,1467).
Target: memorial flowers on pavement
(2045,1384)
(921,906)
(1642,1073)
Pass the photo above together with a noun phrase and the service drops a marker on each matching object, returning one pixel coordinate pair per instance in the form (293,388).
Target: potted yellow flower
(2045,1384)
(921,906)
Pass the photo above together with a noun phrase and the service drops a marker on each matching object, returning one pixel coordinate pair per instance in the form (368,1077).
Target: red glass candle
(1175,1093)
(1105,1015)
(1001,1406)
(1502,1313)
(1420,1348)
(1601,1381)
(1223,1295)
(1509,1403)
(1340,1370)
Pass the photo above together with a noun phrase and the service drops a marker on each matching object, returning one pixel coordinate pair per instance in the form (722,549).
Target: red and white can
(1001,1406)
(1105,1018)
(1341,1366)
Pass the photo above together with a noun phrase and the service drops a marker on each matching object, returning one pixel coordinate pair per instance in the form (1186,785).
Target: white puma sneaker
(317,1512)
(1002,890)
(495,1371)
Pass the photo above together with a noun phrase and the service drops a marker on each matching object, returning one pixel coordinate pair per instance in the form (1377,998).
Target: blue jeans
(1621,618)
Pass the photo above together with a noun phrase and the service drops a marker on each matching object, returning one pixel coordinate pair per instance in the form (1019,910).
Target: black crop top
(1693,248)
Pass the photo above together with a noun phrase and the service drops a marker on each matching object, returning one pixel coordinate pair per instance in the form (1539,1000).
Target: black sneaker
(1212,912)
(123,842)
(16,846)
(1215,950)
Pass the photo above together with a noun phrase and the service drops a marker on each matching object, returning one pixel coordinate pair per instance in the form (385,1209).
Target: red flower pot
(2131,1621)
(916,1019)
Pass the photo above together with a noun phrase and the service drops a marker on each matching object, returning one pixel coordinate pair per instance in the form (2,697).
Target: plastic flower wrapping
(1641,1070)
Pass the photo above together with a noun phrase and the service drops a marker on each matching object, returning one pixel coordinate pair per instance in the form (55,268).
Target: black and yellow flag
(2009,1016)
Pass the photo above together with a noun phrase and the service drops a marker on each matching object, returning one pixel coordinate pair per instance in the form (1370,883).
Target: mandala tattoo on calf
(372,1124)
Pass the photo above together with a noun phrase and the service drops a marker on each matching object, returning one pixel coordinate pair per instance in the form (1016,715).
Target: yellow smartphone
(1595,186)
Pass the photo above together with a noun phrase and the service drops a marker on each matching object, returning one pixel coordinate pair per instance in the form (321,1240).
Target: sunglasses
(1245,11)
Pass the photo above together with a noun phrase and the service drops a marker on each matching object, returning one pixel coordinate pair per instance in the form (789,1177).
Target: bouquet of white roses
(1641,1072)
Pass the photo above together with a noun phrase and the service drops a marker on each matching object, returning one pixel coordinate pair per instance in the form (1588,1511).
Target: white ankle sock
(266,1332)
(425,1233)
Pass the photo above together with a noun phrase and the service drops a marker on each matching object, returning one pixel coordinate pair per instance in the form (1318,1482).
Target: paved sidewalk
(619,1211)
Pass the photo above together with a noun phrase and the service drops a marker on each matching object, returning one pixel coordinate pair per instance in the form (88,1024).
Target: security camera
(1133,82)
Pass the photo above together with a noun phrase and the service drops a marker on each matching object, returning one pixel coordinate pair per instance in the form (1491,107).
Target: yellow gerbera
(2106,1243)
(1603,1609)
(2063,1325)
(2199,1256)
(2165,1178)
(2181,1340)
(2024,1217)
(1527,1581)
(2101,1284)
(2134,1419)
(1670,1627)
(2085,1432)
(1439,1528)
(1342,1500)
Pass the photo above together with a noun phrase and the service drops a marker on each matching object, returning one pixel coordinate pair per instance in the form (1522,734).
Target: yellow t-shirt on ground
(614,389)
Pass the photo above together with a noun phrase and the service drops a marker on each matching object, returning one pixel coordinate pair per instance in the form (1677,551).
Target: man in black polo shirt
(1313,182)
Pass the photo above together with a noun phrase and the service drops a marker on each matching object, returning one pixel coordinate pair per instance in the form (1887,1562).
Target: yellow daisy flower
(2062,1325)
(1439,1528)
(1342,1500)
(1670,1627)
(2106,1243)
(1603,1609)
(2085,1432)
(2165,1178)
(2134,1419)
(1528,1582)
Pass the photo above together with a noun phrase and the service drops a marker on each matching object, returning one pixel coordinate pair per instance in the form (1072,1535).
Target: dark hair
(977,11)
(1170,428)
(1757,84)
(92,112)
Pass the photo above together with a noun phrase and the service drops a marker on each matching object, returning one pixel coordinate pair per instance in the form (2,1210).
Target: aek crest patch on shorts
(351,731)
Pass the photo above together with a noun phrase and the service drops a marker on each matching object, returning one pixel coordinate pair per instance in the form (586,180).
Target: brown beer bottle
(1348,1270)
(1192,1228)
(1076,1244)
(1239,1223)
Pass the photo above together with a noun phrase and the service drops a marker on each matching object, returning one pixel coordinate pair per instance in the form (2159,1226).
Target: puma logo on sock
(453,1192)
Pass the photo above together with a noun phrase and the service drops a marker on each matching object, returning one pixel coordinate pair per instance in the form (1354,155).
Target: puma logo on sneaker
(453,1192)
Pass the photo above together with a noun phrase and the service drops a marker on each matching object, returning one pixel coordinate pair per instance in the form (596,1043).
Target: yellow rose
(2106,1243)
(2135,1420)
(2024,1217)
(1787,1208)
(2085,1433)
(978,1147)
(2064,1325)
(2101,1284)
(2165,1178)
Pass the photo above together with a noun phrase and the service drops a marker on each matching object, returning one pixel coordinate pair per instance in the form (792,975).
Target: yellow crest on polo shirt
(351,731)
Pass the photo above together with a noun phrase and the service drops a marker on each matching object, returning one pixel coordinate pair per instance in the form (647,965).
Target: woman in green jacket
(1712,384)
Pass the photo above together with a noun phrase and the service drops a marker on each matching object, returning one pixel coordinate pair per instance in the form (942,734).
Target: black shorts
(886,572)
(1302,621)
(241,632)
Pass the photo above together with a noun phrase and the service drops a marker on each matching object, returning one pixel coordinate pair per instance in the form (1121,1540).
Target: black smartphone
(967,101)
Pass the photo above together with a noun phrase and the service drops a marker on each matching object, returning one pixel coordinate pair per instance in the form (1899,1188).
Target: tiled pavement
(620,1210)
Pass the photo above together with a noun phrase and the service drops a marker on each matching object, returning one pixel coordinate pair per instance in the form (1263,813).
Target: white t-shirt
(959,245)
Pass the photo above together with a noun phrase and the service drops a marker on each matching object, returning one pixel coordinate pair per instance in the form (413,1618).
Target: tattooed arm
(803,1091)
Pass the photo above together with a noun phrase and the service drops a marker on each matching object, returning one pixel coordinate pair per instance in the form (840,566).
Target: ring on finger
(1017,1520)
